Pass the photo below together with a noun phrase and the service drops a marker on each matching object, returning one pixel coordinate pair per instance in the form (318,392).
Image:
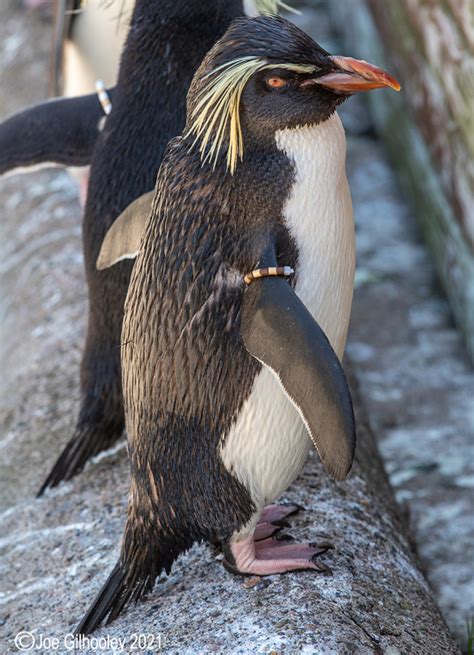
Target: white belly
(268,444)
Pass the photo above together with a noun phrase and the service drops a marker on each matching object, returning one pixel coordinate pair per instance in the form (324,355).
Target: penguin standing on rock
(231,362)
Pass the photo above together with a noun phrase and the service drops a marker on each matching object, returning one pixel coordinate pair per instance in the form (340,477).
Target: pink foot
(265,530)
(278,549)
(272,556)
(277,514)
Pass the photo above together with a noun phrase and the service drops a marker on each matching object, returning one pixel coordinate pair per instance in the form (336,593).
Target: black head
(264,75)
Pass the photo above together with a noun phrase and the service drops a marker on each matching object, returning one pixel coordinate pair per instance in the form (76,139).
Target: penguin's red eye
(276,82)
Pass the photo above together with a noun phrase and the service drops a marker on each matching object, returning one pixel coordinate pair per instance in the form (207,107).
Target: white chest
(319,216)
(268,444)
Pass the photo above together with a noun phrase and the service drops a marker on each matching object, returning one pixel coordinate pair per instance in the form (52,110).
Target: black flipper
(123,238)
(62,131)
(279,331)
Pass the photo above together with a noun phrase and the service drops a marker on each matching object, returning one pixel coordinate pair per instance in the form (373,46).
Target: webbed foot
(278,513)
(270,556)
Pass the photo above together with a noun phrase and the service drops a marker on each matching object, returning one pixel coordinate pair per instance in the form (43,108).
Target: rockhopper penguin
(166,43)
(230,364)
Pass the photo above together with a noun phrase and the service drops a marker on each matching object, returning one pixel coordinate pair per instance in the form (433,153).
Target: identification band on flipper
(282,271)
(103,96)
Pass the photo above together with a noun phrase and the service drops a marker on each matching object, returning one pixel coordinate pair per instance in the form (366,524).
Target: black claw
(322,567)
(283,537)
(279,528)
(282,523)
(322,545)
(297,508)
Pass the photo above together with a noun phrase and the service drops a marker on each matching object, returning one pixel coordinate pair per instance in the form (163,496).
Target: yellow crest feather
(216,115)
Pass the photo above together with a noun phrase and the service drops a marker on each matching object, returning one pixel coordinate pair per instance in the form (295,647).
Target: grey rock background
(57,551)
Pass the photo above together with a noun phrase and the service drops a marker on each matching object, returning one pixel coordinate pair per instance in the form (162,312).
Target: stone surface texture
(415,375)
(57,551)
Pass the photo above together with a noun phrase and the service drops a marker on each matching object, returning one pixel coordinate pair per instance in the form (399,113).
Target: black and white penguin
(166,43)
(87,42)
(231,365)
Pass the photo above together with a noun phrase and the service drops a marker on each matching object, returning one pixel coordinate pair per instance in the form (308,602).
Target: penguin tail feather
(147,551)
(118,592)
(108,599)
(84,445)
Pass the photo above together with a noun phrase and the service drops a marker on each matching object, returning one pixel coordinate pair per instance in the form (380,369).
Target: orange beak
(352,75)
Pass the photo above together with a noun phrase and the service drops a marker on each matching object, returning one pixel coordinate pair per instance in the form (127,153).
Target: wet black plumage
(177,382)
(166,43)
(186,371)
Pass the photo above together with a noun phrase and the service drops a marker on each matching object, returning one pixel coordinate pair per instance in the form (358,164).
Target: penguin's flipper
(122,241)
(62,131)
(279,331)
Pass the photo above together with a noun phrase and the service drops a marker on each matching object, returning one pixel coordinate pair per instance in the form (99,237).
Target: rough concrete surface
(57,551)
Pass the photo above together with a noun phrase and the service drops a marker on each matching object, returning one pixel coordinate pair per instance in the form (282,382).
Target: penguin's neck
(318,215)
